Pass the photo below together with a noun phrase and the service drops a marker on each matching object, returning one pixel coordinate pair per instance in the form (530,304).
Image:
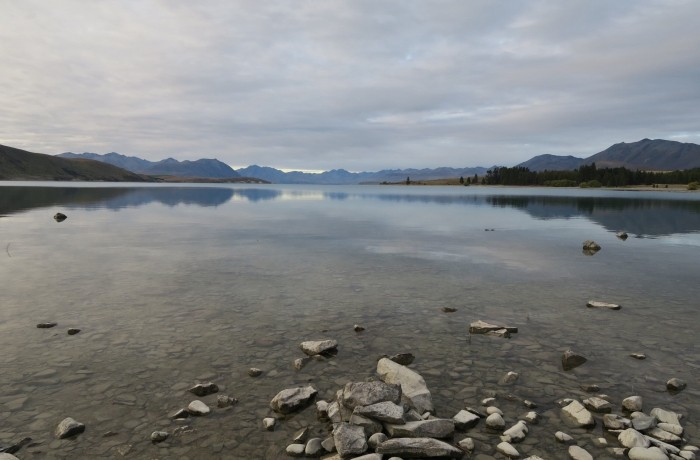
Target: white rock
(197,407)
(507,450)
(666,416)
(517,432)
(578,453)
(597,404)
(563,437)
(318,347)
(495,422)
(269,423)
(532,417)
(292,399)
(493,410)
(69,427)
(295,450)
(465,420)
(642,453)
(412,384)
(632,438)
(579,414)
(663,435)
(466,444)
(675,429)
(596,304)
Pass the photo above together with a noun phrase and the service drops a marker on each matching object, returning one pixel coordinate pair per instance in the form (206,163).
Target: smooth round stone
(508,450)
(269,423)
(466,444)
(676,384)
(495,422)
(313,447)
(494,410)
(197,407)
(642,453)
(159,436)
(632,404)
(296,450)
(578,453)
(563,437)
(254,372)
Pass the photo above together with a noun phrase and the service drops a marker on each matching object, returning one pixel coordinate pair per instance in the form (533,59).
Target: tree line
(587,175)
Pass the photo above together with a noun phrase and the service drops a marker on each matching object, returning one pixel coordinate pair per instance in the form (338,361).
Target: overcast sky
(360,85)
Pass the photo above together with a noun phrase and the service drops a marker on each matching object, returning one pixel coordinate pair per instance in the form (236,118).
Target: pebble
(269,423)
(254,372)
(73,331)
(46,325)
(69,427)
(159,436)
(197,407)
(676,384)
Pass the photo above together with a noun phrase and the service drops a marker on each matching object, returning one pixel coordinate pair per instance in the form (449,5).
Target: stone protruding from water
(368,393)
(319,347)
(197,408)
(60,217)
(418,448)
(578,414)
(676,384)
(47,325)
(204,389)
(482,327)
(293,399)
(604,305)
(413,386)
(69,427)
(571,360)
(405,359)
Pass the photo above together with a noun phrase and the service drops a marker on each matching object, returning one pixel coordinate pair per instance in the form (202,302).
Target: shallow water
(171,285)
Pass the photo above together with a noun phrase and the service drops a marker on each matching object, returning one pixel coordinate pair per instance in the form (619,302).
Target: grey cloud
(361,85)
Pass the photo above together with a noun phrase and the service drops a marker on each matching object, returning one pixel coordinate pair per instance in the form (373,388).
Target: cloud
(361,85)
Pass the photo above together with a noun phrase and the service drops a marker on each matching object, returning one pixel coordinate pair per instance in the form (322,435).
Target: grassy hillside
(16,164)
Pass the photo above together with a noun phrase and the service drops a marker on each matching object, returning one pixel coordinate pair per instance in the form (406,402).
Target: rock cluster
(482,327)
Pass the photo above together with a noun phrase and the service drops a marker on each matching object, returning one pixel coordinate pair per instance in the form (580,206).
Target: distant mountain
(17,164)
(646,155)
(649,155)
(207,168)
(552,163)
(341,176)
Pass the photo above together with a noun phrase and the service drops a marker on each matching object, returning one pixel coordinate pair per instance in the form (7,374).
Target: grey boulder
(419,448)
(293,399)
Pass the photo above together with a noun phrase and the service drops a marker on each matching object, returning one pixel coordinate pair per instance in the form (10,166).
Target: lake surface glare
(175,285)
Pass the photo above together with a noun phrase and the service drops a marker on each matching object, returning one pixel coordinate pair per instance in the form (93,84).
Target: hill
(341,176)
(644,155)
(203,168)
(17,164)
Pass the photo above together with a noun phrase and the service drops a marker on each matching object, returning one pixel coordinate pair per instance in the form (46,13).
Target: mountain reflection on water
(642,216)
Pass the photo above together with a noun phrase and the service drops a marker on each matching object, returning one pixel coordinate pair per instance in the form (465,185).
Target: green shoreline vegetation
(588,176)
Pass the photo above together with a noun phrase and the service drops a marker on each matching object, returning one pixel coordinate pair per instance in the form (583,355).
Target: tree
(461,180)
(408,180)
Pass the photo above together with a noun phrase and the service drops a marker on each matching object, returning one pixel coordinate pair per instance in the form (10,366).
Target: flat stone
(579,453)
(675,429)
(431,428)
(204,389)
(596,304)
(579,414)
(419,448)
(299,363)
(638,355)
(665,436)
(507,450)
(596,404)
(385,411)
(632,438)
(319,347)
(69,427)
(349,439)
(73,330)
(329,444)
(502,333)
(255,372)
(666,416)
(465,420)
(293,399)
(369,393)
(642,453)
(180,414)
(643,422)
(531,417)
(369,457)
(47,325)
(301,435)
(571,360)
(197,407)
(591,245)
(482,327)
(509,379)
(413,386)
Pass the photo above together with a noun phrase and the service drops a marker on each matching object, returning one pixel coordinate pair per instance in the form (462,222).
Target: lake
(171,285)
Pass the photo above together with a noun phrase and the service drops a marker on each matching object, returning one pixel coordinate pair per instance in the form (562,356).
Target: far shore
(631,188)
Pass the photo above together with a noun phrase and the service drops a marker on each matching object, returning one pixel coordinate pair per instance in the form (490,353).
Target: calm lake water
(174,285)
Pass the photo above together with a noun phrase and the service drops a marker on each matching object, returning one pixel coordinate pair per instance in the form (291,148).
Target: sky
(362,85)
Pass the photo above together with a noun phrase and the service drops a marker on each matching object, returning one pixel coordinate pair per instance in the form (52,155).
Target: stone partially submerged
(413,387)
(69,427)
(578,414)
(293,399)
(571,359)
(482,327)
(418,448)
(597,304)
(319,347)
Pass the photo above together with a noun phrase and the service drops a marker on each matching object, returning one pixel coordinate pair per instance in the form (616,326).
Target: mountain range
(645,155)
(208,168)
